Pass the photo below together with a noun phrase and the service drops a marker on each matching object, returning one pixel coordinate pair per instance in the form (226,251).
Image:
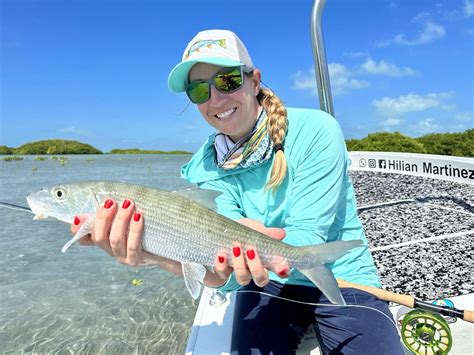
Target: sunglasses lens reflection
(226,81)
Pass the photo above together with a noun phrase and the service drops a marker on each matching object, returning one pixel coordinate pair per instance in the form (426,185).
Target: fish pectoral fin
(324,279)
(86,228)
(96,200)
(193,278)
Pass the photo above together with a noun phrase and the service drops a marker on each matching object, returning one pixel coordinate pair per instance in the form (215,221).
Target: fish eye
(59,193)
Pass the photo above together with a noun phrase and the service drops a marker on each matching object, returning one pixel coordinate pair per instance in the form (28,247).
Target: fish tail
(319,274)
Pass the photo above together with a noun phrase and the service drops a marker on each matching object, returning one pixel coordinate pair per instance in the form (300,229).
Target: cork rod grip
(388,296)
(469,316)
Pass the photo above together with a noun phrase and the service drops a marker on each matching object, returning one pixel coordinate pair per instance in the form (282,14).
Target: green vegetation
(386,142)
(139,151)
(56,146)
(457,144)
(4,150)
(12,158)
(62,160)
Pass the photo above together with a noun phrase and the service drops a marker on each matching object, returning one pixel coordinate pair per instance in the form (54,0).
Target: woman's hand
(118,230)
(246,263)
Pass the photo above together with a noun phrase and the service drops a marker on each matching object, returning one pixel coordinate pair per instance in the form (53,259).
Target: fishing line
(324,305)
(16,207)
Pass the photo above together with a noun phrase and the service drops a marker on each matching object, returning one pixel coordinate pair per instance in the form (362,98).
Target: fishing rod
(410,301)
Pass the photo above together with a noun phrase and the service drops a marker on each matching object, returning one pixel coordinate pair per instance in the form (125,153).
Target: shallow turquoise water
(83,301)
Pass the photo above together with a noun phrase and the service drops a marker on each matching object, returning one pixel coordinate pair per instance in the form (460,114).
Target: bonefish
(184,230)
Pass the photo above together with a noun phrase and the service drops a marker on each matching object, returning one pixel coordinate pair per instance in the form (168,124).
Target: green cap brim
(178,77)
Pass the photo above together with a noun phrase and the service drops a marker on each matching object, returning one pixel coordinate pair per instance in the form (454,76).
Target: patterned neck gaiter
(253,149)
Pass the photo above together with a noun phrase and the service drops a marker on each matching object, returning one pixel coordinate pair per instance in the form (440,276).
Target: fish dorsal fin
(194,278)
(86,228)
(202,196)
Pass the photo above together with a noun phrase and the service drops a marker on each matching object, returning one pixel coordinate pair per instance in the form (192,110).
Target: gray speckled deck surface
(428,270)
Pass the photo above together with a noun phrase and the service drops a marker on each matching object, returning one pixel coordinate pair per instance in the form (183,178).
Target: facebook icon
(382,164)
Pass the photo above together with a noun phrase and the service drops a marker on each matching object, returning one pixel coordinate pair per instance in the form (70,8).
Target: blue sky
(96,70)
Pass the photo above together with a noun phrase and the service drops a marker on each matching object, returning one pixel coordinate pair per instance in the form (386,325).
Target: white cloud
(448,107)
(421,17)
(429,33)
(468,8)
(355,54)
(390,122)
(385,68)
(341,79)
(425,126)
(73,130)
(393,5)
(409,103)
(304,81)
(464,117)
(344,79)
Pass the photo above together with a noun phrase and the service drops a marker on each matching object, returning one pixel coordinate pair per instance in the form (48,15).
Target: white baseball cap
(218,47)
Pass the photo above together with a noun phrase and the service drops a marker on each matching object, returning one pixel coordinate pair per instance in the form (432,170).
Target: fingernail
(76,221)
(282,234)
(108,203)
(251,254)
(136,216)
(283,273)
(236,251)
(126,203)
(220,259)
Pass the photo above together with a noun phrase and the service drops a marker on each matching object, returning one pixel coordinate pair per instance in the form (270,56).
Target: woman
(280,171)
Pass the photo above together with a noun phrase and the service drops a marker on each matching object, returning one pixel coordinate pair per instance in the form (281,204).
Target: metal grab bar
(319,53)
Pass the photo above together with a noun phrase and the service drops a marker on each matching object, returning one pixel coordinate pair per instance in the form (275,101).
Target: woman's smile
(226,114)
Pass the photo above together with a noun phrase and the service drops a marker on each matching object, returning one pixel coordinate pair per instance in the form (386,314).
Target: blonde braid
(277,126)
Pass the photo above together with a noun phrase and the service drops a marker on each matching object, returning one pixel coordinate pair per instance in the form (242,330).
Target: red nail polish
(236,251)
(76,221)
(136,216)
(221,259)
(251,254)
(126,203)
(283,273)
(108,203)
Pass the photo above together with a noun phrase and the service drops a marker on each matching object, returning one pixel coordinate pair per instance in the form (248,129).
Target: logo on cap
(207,42)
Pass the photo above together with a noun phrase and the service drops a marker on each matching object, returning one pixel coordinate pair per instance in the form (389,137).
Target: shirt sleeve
(317,186)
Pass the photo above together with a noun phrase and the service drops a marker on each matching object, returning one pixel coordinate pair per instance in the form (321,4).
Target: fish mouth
(36,209)
(39,216)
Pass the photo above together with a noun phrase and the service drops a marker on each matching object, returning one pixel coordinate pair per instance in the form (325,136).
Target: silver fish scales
(184,230)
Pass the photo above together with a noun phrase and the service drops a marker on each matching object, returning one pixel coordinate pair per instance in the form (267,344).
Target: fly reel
(427,333)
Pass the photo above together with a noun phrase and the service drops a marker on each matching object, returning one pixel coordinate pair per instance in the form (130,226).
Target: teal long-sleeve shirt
(315,203)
